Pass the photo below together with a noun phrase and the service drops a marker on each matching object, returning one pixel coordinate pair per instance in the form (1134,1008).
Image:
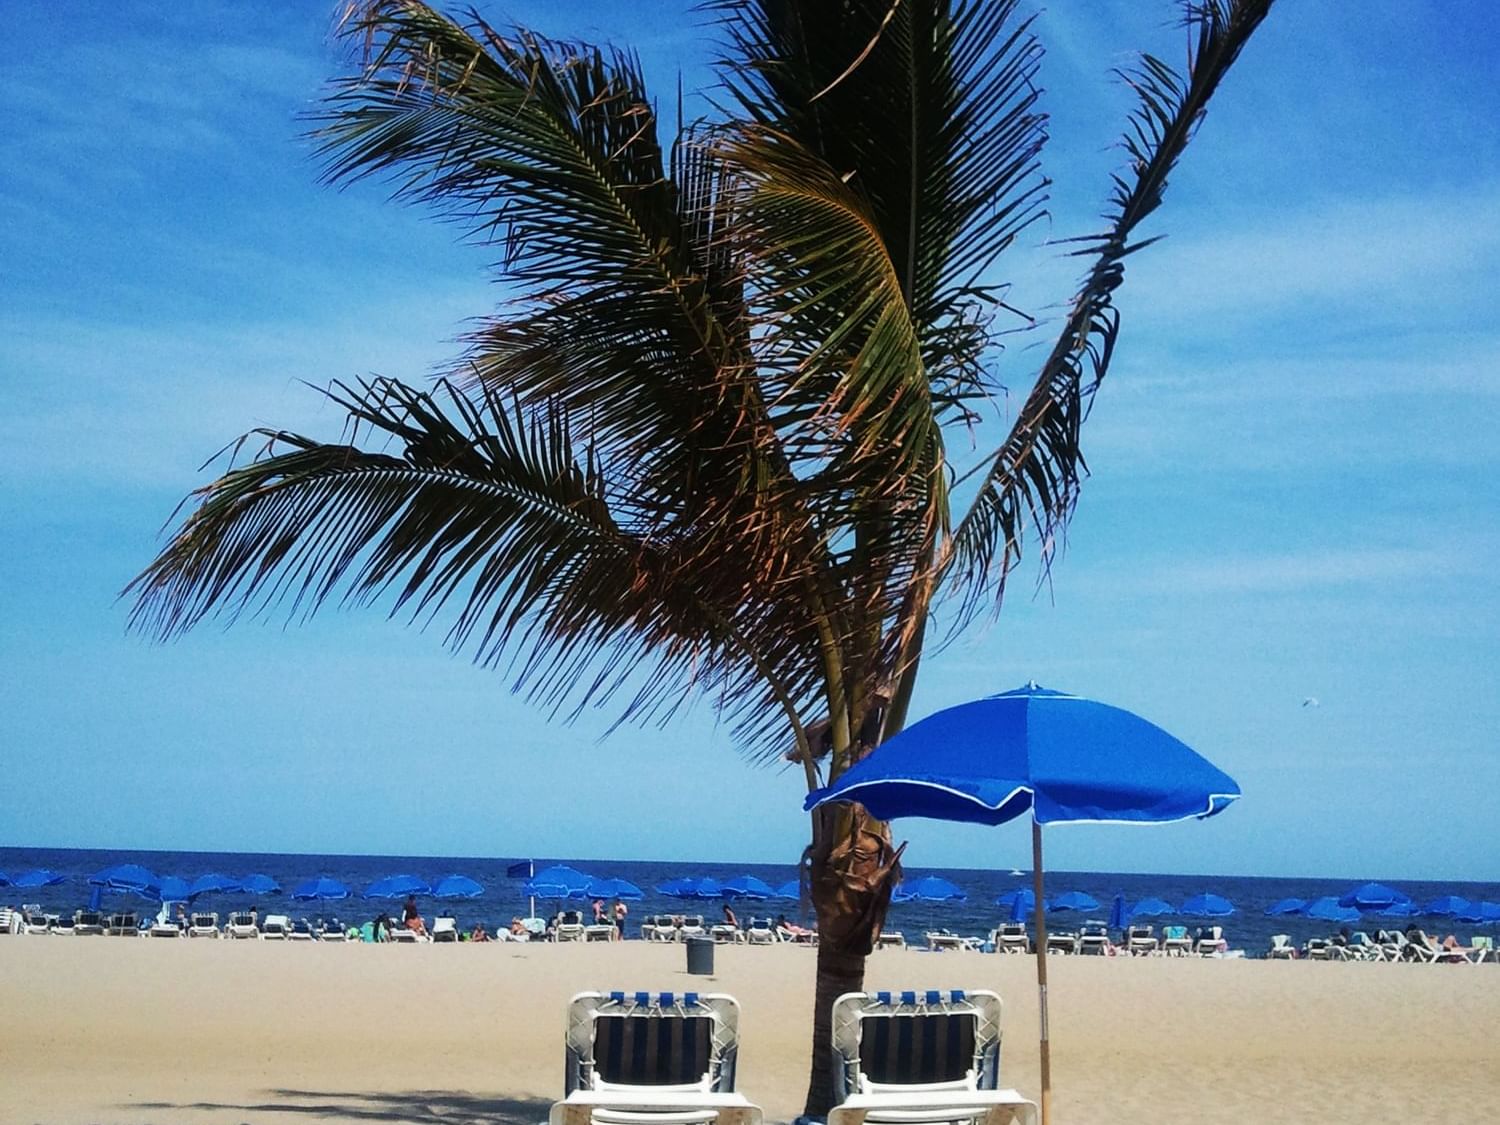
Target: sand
(113,1030)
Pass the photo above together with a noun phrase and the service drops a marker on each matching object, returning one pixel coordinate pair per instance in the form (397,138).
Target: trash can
(700,956)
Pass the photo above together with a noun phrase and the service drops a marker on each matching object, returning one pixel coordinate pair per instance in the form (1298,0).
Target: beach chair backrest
(657,1039)
(883,1041)
(1174,933)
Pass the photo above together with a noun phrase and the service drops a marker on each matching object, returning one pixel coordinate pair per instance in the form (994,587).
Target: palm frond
(1033,479)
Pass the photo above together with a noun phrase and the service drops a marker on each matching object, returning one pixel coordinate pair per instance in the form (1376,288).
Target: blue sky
(1292,492)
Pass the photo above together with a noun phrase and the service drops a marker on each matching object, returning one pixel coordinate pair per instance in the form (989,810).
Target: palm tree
(702,450)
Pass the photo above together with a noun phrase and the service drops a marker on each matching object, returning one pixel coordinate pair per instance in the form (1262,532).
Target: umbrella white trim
(846,794)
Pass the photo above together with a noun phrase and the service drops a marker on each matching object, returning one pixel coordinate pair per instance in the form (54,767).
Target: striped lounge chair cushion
(662,1051)
(917,1048)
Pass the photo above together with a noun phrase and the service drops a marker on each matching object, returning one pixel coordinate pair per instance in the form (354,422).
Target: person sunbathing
(413,918)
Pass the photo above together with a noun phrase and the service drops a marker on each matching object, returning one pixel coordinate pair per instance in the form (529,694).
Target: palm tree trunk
(838,973)
(852,869)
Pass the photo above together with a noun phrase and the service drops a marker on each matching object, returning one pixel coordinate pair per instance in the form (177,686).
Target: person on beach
(412,917)
(620,912)
(518,930)
(729,918)
(478,933)
(599,918)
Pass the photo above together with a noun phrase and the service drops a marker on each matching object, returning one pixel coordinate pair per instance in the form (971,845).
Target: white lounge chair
(761,931)
(658,927)
(600,931)
(1282,948)
(1010,937)
(569,926)
(445,929)
(692,926)
(11,921)
(1140,941)
(1211,942)
(1420,947)
(940,940)
(890,939)
(1093,939)
(203,925)
(919,1057)
(652,1058)
(87,923)
(124,924)
(723,933)
(275,927)
(1482,949)
(1175,941)
(35,921)
(1062,941)
(405,935)
(331,929)
(242,925)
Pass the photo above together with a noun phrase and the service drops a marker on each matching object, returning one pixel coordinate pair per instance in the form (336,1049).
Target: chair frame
(586,1008)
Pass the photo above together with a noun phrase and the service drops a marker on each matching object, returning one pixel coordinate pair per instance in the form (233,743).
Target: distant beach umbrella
(747,886)
(215,884)
(558,881)
(930,888)
(614,888)
(1328,909)
(124,877)
(1372,896)
(1446,906)
(1208,905)
(321,889)
(395,886)
(1480,913)
(1152,908)
(680,887)
(1400,910)
(4,879)
(172,888)
(1025,895)
(457,886)
(260,885)
(1286,906)
(1118,914)
(709,887)
(791,890)
(1072,900)
(41,877)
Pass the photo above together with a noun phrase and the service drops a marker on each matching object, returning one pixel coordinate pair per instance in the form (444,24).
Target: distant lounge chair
(1211,942)
(275,927)
(445,929)
(723,933)
(940,940)
(600,931)
(1011,937)
(87,923)
(658,927)
(1093,938)
(692,926)
(203,925)
(1420,947)
(761,931)
(1482,948)
(1175,941)
(1140,941)
(242,925)
(1318,949)
(331,929)
(569,926)
(34,921)
(124,924)
(890,939)
(404,934)
(11,921)
(1282,948)
(1062,941)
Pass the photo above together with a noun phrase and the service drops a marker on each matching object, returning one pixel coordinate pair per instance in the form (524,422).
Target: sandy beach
(113,1031)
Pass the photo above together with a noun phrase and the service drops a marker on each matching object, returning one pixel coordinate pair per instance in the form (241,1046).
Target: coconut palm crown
(704,448)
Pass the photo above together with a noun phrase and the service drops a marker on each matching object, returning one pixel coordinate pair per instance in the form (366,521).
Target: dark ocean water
(504,898)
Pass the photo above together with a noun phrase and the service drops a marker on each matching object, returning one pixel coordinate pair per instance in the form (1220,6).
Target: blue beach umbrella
(216,884)
(4,879)
(1118,915)
(748,886)
(260,885)
(1208,905)
(41,877)
(1020,902)
(457,886)
(1286,906)
(1152,908)
(680,887)
(791,890)
(395,886)
(709,887)
(321,889)
(1328,910)
(1072,900)
(125,877)
(1057,756)
(930,888)
(1446,906)
(1372,896)
(1480,913)
(614,888)
(558,881)
(1401,910)
(172,888)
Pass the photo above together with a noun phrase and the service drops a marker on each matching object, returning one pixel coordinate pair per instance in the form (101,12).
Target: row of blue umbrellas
(1330,909)
(132,877)
(563,882)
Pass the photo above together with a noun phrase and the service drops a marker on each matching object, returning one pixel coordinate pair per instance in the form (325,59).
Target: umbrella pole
(1041,966)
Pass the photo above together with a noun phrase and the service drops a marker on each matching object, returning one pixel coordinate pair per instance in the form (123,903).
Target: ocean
(1248,928)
